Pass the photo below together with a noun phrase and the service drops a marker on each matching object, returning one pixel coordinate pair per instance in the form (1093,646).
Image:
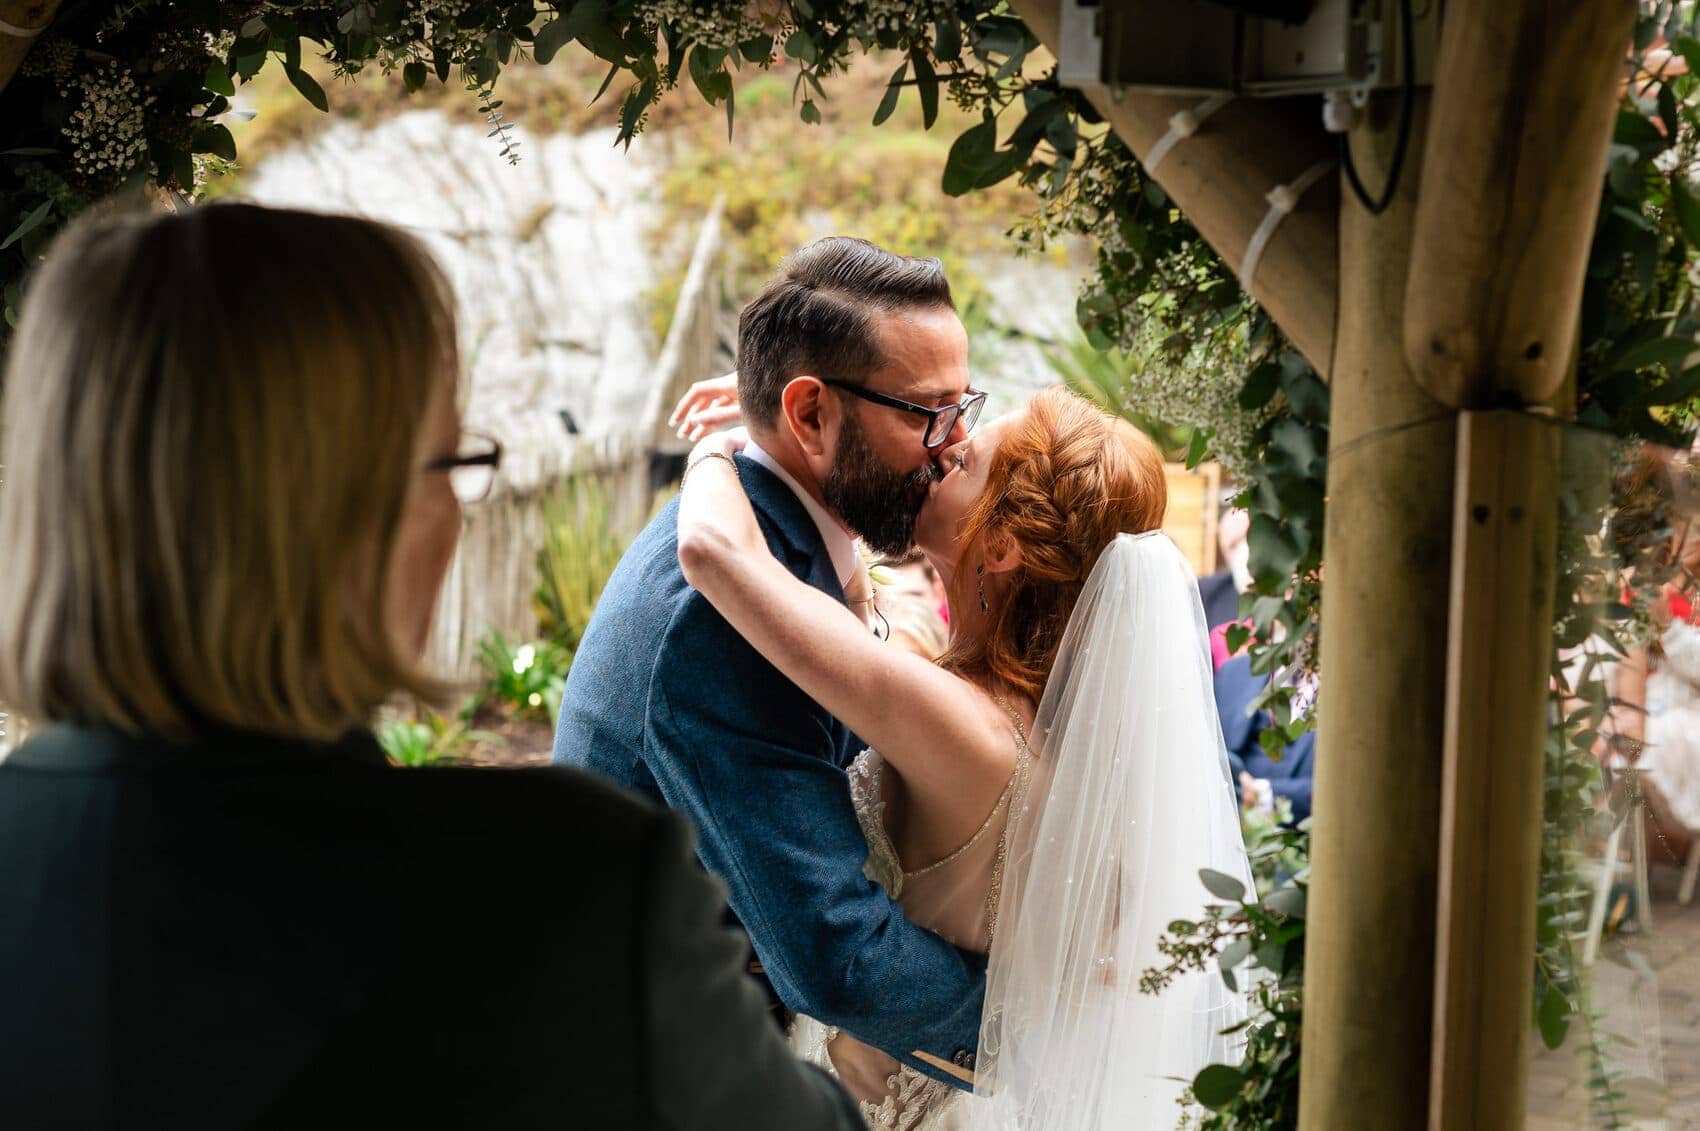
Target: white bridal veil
(1130,797)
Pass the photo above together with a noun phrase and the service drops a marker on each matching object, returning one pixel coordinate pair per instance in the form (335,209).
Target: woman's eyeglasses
(472,472)
(940,421)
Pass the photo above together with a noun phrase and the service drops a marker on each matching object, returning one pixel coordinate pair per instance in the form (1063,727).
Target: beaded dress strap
(1022,754)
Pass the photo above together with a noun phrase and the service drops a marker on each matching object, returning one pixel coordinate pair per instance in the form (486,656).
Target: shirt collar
(840,547)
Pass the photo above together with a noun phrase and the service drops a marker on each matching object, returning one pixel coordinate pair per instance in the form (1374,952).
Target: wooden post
(1505,538)
(1525,96)
(1369,955)
(25,16)
(1219,177)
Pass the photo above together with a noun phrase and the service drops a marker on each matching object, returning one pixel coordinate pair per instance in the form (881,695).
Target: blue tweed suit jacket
(667,699)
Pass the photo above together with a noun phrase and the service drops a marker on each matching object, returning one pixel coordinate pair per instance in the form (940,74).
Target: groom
(665,698)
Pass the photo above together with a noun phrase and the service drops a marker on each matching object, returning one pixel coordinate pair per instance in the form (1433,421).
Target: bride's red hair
(1065,479)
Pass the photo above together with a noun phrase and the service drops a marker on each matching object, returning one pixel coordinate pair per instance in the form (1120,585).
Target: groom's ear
(810,414)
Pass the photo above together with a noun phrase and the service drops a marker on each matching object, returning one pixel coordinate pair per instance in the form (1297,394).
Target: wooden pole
(1505,540)
(1219,177)
(1526,92)
(1369,957)
(1525,95)
(18,18)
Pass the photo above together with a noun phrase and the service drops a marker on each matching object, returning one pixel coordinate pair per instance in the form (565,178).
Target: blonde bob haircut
(208,437)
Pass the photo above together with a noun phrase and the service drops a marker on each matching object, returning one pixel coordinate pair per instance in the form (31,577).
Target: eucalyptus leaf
(1553,1017)
(1221,885)
(217,140)
(1198,448)
(1217,1086)
(801,46)
(217,78)
(1672,353)
(309,88)
(947,37)
(927,85)
(975,161)
(1687,211)
(1289,901)
(893,91)
(29,224)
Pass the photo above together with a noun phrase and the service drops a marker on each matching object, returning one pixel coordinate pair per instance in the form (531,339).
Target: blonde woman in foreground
(234,475)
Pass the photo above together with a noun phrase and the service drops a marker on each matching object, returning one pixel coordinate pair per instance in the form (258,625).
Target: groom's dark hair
(817,317)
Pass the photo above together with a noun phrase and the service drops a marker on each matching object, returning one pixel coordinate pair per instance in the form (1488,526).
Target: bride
(1048,790)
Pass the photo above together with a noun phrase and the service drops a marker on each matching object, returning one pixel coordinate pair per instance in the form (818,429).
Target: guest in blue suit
(1290,777)
(667,699)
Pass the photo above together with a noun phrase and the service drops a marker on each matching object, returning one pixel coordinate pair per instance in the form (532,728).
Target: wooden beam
(1525,95)
(1219,178)
(1369,951)
(1505,542)
(26,16)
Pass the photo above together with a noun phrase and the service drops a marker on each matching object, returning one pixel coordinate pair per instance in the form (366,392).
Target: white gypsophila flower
(1199,391)
(108,130)
(524,658)
(717,25)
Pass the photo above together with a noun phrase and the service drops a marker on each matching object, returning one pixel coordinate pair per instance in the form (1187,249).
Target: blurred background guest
(1656,715)
(235,471)
(911,598)
(1220,591)
(1263,780)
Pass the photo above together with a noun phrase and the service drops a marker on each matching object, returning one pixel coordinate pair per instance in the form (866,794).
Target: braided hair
(1066,478)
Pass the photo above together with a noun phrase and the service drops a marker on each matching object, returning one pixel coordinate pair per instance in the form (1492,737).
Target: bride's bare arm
(929,724)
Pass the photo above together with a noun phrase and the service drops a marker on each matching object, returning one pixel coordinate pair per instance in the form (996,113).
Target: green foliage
(1639,366)
(528,680)
(432,740)
(580,550)
(1107,377)
(1255,942)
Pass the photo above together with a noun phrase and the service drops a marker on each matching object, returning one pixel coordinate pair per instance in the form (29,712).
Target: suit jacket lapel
(795,538)
(799,542)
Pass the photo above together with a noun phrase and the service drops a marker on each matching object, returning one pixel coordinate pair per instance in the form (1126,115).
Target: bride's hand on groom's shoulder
(706,406)
(728,443)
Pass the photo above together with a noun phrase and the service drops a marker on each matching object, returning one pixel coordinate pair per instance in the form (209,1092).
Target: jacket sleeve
(740,750)
(715,1058)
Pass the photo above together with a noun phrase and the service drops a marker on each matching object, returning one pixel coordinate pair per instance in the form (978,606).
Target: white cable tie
(17,32)
(1182,125)
(1283,199)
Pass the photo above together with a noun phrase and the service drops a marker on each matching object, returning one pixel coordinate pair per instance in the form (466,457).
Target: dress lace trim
(882,865)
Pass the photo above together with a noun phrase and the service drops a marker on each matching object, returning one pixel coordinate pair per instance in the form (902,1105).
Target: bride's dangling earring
(985,606)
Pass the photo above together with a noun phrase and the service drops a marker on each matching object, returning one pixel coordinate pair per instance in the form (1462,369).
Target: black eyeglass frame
(491,458)
(968,409)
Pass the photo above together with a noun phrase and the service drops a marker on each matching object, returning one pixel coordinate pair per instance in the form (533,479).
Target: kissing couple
(952,874)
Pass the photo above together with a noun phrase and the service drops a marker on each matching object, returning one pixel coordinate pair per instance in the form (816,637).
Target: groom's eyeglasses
(941,422)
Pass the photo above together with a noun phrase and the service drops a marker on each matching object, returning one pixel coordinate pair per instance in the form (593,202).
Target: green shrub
(580,550)
(527,680)
(427,741)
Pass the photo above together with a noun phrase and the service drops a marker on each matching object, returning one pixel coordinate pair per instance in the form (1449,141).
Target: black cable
(1407,111)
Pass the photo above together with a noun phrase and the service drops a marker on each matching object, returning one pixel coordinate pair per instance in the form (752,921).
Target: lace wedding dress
(956,897)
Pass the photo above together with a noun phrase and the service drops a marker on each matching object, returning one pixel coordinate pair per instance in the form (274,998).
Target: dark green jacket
(261,933)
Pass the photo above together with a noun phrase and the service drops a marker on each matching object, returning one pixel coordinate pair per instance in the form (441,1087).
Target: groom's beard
(876,501)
